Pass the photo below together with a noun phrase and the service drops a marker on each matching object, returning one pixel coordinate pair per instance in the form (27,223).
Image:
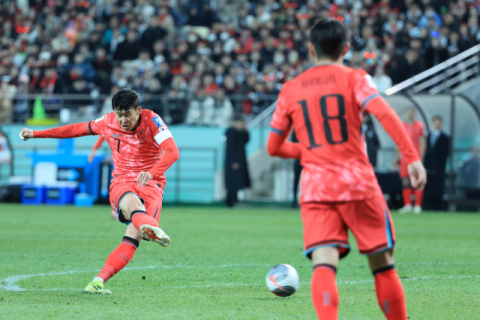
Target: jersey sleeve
(69,131)
(159,129)
(364,89)
(97,127)
(281,121)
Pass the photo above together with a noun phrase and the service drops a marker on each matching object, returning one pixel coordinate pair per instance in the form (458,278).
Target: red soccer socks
(119,258)
(418,197)
(139,218)
(390,295)
(324,291)
(407,196)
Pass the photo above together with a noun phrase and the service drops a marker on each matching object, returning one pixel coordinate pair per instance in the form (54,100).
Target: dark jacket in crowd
(150,35)
(235,153)
(435,56)
(127,51)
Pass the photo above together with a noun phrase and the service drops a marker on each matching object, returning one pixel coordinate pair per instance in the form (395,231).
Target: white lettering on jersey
(370,81)
(99,119)
(163,135)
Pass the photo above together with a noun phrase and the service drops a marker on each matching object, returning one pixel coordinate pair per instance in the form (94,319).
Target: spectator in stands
(7,92)
(217,110)
(435,54)
(237,176)
(435,161)
(129,48)
(153,33)
(81,69)
(381,80)
(254,38)
(79,87)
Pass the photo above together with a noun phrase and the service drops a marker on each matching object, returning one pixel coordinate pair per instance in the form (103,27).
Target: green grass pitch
(216,264)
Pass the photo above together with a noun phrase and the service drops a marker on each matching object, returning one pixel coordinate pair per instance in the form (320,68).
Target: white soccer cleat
(417,209)
(405,209)
(155,234)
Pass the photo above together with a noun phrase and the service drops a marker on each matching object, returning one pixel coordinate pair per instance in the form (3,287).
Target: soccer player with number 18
(340,192)
(142,149)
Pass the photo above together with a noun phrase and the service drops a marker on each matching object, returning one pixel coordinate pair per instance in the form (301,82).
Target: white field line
(10,283)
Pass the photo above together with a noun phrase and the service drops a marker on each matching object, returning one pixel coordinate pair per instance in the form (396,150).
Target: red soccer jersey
(133,151)
(415,131)
(325,104)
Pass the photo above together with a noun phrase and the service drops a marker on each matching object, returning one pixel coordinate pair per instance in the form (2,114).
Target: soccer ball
(283,280)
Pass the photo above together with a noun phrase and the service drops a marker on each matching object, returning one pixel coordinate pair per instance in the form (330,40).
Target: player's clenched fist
(143,177)
(418,175)
(26,134)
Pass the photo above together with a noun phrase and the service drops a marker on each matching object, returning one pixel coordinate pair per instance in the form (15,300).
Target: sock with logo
(390,295)
(119,258)
(324,291)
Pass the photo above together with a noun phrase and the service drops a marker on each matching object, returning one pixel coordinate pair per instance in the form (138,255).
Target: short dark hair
(329,37)
(125,99)
(238,117)
(437,117)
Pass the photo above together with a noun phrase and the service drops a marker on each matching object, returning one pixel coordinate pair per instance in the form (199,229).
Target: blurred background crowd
(206,60)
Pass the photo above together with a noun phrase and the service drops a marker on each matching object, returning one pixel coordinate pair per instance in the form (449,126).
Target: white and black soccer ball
(283,280)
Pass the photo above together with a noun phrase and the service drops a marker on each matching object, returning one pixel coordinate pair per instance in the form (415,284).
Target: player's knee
(326,255)
(381,259)
(131,204)
(131,232)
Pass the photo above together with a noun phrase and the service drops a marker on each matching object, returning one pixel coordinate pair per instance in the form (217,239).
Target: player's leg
(372,226)
(326,241)
(418,201)
(133,210)
(117,260)
(407,190)
(390,294)
(324,283)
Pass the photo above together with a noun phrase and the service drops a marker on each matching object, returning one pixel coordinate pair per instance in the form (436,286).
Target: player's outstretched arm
(278,146)
(170,155)
(64,132)
(394,127)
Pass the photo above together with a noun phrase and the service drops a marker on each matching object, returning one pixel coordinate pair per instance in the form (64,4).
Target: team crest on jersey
(158,121)
(141,136)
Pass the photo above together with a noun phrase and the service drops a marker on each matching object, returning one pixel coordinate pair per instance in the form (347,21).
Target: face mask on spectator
(224,36)
(279,59)
(159,59)
(122,83)
(212,37)
(192,38)
(63,60)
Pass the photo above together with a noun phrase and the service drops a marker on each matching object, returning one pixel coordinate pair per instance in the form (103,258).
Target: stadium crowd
(209,59)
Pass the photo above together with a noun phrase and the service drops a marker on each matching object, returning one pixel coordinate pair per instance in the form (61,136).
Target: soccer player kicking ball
(143,149)
(325,105)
